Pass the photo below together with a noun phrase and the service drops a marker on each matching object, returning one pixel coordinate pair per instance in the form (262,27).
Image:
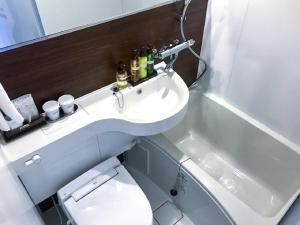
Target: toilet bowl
(105,195)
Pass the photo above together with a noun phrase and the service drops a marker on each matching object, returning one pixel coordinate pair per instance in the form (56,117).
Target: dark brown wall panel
(85,60)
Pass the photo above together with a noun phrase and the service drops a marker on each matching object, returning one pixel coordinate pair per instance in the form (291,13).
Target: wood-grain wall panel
(85,60)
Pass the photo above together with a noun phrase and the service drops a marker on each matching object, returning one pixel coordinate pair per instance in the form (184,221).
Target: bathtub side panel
(164,170)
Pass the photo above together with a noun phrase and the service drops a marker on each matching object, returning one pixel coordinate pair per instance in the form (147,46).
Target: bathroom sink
(149,108)
(153,101)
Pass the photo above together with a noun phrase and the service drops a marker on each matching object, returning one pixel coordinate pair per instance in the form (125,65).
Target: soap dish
(62,115)
(17,132)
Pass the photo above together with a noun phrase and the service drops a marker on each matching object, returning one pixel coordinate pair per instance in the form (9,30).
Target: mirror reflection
(25,21)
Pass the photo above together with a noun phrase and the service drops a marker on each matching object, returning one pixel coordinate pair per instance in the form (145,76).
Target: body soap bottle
(134,66)
(142,60)
(121,76)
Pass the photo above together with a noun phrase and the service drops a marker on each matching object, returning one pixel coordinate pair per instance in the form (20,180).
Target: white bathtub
(253,171)
(159,160)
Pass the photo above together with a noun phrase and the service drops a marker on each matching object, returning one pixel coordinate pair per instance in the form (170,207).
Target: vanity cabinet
(45,171)
(114,143)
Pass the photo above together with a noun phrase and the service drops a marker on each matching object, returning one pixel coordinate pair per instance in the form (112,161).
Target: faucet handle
(155,51)
(158,52)
(171,46)
(164,48)
(176,42)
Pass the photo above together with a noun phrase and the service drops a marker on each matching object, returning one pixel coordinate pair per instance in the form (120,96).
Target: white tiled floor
(154,194)
(167,214)
(164,211)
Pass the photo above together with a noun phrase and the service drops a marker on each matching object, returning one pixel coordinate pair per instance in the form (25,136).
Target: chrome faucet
(172,51)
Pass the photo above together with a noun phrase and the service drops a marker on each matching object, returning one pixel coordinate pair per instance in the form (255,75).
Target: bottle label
(143,66)
(135,68)
(122,78)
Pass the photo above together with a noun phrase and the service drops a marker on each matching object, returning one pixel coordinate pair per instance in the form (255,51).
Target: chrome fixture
(172,51)
(120,98)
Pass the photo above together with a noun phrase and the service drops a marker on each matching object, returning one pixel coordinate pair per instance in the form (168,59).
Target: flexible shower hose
(202,61)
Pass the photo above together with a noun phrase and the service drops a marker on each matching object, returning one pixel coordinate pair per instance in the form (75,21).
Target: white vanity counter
(160,106)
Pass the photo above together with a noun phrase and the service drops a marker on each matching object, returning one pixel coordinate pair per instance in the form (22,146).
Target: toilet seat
(111,197)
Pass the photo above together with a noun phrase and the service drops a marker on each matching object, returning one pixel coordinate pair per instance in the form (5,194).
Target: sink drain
(139,91)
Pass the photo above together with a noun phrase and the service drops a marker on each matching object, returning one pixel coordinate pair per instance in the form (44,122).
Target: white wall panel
(223,27)
(253,49)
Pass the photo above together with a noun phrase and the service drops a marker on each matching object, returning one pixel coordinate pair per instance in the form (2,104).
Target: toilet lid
(118,201)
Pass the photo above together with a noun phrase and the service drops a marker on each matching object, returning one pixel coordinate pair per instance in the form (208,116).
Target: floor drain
(174,192)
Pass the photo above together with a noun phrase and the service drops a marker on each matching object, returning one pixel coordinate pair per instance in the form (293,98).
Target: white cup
(51,108)
(66,102)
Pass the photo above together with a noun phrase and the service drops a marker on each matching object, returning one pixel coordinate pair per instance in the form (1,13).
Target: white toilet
(105,195)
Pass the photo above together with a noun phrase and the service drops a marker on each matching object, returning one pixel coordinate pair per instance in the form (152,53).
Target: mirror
(27,21)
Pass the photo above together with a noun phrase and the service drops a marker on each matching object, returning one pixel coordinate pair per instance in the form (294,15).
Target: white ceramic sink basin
(155,100)
(151,107)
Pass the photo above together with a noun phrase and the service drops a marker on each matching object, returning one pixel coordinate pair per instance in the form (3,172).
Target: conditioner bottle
(150,60)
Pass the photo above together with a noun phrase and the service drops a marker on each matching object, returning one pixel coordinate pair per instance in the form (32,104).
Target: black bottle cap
(149,49)
(143,52)
(135,53)
(121,66)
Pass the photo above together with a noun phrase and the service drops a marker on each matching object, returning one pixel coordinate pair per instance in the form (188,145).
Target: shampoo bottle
(134,66)
(142,60)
